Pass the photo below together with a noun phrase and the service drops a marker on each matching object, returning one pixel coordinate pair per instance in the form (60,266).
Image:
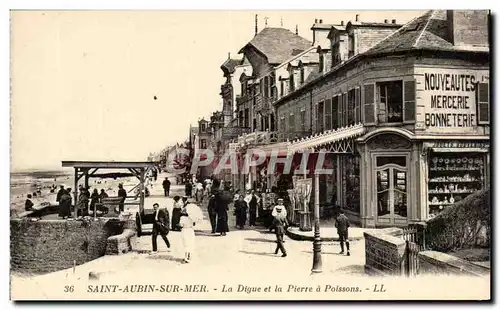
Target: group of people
(180,222)
(243,205)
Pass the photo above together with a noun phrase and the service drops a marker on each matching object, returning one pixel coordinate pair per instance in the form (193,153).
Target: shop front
(455,169)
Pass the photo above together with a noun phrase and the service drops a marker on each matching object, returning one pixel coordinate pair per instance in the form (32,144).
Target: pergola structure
(88,169)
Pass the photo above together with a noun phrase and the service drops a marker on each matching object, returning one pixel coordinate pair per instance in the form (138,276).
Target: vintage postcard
(250,155)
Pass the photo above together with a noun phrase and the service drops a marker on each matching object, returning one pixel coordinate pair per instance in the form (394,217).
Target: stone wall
(384,251)
(50,245)
(442,263)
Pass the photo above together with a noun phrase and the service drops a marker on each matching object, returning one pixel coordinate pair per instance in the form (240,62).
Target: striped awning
(326,137)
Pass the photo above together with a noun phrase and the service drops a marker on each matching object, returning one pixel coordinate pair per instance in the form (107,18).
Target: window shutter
(483,103)
(369,104)
(409,102)
(339,109)
(328,114)
(357,108)
(345,110)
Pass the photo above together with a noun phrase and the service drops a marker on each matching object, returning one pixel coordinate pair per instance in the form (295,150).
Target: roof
(278,44)
(373,24)
(321,26)
(108,164)
(427,32)
(229,65)
(338,28)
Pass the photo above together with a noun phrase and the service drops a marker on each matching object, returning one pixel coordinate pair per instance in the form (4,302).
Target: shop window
(352,185)
(390,102)
(335,112)
(328,114)
(452,177)
(350,107)
(273,123)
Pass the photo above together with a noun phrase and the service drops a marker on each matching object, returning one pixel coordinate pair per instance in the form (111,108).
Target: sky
(83,82)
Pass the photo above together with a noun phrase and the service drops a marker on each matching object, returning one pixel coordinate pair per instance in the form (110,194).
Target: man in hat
(280,223)
(160,226)
(342,225)
(212,213)
(123,194)
(279,208)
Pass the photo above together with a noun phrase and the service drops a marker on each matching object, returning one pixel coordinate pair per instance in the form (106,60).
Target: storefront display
(452,177)
(352,193)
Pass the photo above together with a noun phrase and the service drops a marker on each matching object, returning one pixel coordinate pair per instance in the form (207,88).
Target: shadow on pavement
(353,269)
(206,234)
(260,240)
(165,257)
(259,253)
(327,253)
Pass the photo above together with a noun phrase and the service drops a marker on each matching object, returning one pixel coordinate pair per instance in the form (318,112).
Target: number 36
(69,289)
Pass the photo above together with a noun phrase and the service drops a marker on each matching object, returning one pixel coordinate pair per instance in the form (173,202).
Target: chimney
(468,27)
(297,29)
(320,21)
(316,21)
(357,17)
(386,21)
(342,23)
(229,55)
(393,21)
(256,29)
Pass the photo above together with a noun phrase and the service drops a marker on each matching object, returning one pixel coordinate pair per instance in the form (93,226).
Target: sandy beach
(27,182)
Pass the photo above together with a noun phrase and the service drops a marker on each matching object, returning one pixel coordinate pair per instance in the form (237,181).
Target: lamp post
(317,264)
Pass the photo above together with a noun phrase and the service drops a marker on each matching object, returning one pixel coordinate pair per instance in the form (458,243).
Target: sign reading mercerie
(452,102)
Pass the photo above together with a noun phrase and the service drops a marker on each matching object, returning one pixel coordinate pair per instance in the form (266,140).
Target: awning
(330,136)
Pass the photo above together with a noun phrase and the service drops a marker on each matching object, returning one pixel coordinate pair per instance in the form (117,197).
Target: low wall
(384,251)
(442,263)
(51,245)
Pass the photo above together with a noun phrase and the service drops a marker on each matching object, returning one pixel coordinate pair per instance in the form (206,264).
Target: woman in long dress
(176,213)
(187,235)
(222,200)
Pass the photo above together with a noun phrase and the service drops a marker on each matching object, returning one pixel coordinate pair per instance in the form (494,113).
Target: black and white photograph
(250,155)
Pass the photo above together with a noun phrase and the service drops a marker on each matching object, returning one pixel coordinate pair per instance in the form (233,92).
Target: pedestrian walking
(280,223)
(342,224)
(240,209)
(176,213)
(160,226)
(166,187)
(187,235)
(199,192)
(94,199)
(212,213)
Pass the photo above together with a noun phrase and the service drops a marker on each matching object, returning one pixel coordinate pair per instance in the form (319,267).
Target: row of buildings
(402,110)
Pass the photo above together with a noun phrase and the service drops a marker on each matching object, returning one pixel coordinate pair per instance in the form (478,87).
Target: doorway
(391,189)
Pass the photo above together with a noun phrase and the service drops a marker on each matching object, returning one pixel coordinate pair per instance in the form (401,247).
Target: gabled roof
(229,65)
(427,32)
(277,44)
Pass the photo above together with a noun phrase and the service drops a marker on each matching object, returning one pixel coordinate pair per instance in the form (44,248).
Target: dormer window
(203,127)
(302,76)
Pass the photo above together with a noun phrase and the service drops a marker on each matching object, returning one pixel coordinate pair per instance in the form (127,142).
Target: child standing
(342,225)
(187,234)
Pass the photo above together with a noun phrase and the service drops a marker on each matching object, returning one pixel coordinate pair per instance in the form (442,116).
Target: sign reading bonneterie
(449,99)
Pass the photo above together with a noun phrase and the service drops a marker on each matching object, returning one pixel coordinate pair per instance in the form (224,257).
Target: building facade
(405,120)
